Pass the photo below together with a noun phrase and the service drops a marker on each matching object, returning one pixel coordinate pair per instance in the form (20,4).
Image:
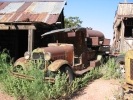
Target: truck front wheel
(68,71)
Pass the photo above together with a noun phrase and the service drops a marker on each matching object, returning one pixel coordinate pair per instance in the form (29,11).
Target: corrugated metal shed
(46,11)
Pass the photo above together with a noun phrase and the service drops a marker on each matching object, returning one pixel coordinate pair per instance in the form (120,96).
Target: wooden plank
(16,27)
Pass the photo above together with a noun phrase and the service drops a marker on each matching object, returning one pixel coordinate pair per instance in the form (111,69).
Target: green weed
(109,70)
(38,89)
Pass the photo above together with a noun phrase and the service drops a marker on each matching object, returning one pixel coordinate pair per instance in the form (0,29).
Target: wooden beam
(30,40)
(16,27)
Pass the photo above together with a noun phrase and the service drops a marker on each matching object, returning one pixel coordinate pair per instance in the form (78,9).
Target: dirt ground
(99,89)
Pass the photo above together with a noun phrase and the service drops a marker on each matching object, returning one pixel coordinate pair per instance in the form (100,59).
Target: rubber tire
(68,70)
(17,67)
(120,58)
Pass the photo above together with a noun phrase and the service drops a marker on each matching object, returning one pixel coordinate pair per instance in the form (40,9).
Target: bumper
(23,76)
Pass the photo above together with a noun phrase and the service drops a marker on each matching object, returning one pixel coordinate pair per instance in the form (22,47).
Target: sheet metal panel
(3,5)
(1,16)
(24,6)
(12,7)
(33,17)
(49,7)
(52,19)
(42,17)
(40,7)
(34,11)
(15,17)
(31,7)
(24,17)
(6,17)
(58,8)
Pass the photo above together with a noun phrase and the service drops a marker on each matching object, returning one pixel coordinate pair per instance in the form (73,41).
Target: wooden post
(122,37)
(30,40)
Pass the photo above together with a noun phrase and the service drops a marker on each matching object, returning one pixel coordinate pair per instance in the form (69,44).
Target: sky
(97,14)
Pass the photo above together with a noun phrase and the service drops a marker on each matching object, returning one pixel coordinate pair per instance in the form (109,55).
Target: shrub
(109,70)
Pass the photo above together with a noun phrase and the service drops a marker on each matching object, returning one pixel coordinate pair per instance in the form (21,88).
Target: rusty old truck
(75,51)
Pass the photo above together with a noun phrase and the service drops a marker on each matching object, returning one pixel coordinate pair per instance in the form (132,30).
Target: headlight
(47,56)
(26,55)
(107,52)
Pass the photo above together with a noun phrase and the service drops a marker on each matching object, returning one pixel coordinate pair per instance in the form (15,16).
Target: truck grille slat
(131,69)
(38,56)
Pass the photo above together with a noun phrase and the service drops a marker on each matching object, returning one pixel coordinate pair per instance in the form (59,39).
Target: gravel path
(4,96)
(98,90)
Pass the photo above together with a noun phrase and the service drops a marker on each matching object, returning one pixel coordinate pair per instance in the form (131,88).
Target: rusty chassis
(31,78)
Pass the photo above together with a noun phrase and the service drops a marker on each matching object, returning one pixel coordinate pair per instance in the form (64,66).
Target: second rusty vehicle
(75,52)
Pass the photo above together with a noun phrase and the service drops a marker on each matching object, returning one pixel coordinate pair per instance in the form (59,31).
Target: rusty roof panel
(12,7)
(24,7)
(52,18)
(47,12)
(3,5)
(5,18)
(15,16)
(1,16)
(31,7)
(24,17)
(42,17)
(33,17)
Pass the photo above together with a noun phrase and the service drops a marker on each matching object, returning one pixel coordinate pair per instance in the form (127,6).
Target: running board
(83,71)
(93,64)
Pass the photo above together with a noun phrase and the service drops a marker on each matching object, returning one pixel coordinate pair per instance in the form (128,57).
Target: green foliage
(5,64)
(37,89)
(72,22)
(109,70)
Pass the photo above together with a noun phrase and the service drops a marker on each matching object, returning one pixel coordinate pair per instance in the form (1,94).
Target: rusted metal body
(73,49)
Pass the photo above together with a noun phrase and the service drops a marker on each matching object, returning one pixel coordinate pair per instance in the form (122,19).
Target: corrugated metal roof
(47,12)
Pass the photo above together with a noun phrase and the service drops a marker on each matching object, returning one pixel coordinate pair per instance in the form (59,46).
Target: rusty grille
(38,56)
(131,69)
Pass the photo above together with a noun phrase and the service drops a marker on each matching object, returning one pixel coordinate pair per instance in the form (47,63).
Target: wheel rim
(68,76)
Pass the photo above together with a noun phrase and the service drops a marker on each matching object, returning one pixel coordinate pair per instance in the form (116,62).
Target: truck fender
(21,62)
(57,64)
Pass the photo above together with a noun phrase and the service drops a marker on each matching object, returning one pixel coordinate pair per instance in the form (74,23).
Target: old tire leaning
(68,71)
(16,68)
(120,65)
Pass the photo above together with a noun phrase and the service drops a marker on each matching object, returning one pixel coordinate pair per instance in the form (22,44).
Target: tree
(72,22)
